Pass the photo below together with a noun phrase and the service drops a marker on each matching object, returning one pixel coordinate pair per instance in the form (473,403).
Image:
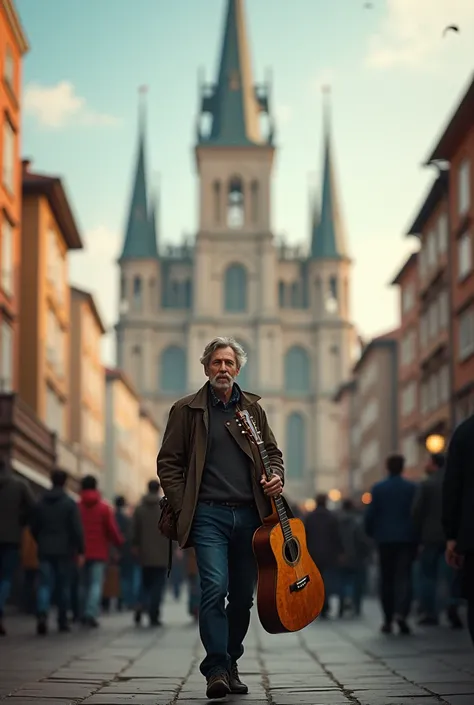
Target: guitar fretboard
(279,504)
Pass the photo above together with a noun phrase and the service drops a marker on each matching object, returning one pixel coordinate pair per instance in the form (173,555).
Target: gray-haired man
(212,478)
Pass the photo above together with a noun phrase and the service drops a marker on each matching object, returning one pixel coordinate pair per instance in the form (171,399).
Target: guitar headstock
(247,424)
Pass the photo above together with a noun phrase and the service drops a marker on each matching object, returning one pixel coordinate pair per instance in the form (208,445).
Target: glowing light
(366,498)
(435,443)
(334,495)
(309,505)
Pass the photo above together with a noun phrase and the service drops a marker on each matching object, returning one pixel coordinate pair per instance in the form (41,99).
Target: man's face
(222,369)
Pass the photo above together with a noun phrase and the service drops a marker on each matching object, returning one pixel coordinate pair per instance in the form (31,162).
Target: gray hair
(224,342)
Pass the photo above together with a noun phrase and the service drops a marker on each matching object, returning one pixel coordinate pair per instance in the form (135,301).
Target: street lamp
(435,443)
(334,495)
(366,498)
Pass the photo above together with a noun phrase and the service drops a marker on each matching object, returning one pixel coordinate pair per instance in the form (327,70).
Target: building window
(6,379)
(137,366)
(7,257)
(9,69)
(235,289)
(8,175)
(433,320)
(282,294)
(173,370)
(431,249)
(443,310)
(217,198)
(295,459)
(464,255)
(423,331)
(409,399)
(466,334)
(235,204)
(464,187)
(297,371)
(443,233)
(254,201)
(54,412)
(137,294)
(408,298)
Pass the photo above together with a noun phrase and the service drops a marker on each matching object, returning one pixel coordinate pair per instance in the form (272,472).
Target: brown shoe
(236,685)
(218,685)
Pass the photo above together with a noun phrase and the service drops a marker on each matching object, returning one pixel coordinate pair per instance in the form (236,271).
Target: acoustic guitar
(290,589)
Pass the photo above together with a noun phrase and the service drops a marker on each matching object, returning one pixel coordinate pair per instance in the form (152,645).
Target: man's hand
(273,486)
(453,558)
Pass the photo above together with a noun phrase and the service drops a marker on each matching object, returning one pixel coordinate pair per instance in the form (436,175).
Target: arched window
(188,293)
(137,368)
(295,295)
(123,287)
(297,371)
(332,295)
(235,204)
(235,289)
(152,293)
(217,199)
(173,370)
(254,205)
(282,294)
(137,294)
(295,460)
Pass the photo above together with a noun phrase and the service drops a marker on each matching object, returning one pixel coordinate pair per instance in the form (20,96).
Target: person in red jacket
(100,530)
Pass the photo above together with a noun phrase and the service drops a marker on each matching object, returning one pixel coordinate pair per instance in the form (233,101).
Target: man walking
(389,522)
(16,503)
(151,549)
(57,530)
(427,509)
(100,530)
(212,478)
(458,510)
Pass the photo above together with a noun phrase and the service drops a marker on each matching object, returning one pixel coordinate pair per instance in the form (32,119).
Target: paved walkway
(332,663)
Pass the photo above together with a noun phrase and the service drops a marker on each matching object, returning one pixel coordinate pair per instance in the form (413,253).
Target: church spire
(328,236)
(234,102)
(140,240)
(155,215)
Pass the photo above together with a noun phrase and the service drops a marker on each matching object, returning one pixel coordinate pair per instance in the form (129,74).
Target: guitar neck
(267,468)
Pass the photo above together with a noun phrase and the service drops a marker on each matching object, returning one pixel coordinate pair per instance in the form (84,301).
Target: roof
(435,195)
(234,102)
(328,239)
(387,340)
(140,237)
(89,299)
(407,266)
(113,374)
(16,27)
(52,188)
(460,123)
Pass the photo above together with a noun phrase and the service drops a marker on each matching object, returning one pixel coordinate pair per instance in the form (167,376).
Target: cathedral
(287,306)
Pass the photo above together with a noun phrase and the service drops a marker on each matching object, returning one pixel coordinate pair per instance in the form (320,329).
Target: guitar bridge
(300,584)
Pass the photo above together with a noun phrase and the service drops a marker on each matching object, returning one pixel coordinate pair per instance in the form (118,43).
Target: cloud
(59,106)
(411,32)
(284,114)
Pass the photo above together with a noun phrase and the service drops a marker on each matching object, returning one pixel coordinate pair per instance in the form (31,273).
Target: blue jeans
(222,540)
(152,589)
(433,571)
(130,578)
(92,581)
(54,577)
(9,560)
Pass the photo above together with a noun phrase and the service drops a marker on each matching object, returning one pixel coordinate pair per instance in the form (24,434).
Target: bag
(168,522)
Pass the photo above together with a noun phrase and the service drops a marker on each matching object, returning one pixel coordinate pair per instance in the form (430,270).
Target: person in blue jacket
(388,521)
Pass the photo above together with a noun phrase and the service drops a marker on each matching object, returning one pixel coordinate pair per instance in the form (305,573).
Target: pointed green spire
(139,241)
(234,102)
(328,236)
(154,216)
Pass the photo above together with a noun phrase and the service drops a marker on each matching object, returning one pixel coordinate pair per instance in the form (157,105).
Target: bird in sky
(450,28)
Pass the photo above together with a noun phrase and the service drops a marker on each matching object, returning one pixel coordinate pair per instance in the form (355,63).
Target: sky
(395,80)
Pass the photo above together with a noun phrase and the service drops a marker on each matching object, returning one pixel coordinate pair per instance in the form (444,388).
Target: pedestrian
(151,550)
(57,529)
(458,510)
(434,570)
(127,564)
(325,547)
(355,551)
(100,531)
(388,520)
(16,504)
(212,478)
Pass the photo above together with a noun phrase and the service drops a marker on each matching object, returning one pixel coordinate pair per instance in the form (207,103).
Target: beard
(222,381)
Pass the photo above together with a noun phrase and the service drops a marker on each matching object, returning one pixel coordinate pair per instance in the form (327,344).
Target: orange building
(13,46)
(49,232)
(456,147)
(408,365)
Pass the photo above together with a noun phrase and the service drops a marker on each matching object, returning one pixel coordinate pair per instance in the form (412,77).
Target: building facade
(348,481)
(13,46)
(87,383)
(409,364)
(288,306)
(149,440)
(49,232)
(456,149)
(375,432)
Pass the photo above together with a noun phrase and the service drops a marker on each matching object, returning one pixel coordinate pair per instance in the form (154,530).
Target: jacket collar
(200,399)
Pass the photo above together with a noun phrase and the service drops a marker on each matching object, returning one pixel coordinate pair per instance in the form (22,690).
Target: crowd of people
(86,552)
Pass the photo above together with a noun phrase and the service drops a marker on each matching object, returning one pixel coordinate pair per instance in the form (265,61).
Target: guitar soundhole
(291,551)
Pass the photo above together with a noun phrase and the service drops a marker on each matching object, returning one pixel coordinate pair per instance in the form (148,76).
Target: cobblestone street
(330,663)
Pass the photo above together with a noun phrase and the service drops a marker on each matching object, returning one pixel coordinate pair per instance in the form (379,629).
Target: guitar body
(290,593)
